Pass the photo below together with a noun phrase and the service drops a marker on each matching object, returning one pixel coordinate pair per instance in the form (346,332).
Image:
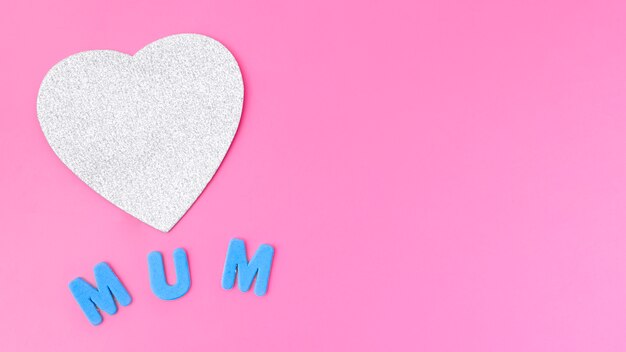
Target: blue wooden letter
(237,262)
(90,299)
(158,281)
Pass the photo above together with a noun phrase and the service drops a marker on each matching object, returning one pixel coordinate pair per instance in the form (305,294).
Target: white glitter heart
(148,131)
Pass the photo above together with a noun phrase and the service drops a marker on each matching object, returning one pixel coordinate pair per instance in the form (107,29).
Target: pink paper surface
(434,176)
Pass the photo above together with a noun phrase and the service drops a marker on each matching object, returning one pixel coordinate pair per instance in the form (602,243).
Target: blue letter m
(90,299)
(237,262)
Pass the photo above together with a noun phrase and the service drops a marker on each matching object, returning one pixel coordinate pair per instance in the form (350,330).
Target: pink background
(434,175)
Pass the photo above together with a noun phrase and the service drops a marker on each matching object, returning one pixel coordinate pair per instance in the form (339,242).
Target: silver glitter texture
(147,131)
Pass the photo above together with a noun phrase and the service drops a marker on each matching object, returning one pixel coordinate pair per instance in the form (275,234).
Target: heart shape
(147,131)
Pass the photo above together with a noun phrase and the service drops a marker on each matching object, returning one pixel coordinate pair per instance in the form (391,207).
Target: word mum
(109,289)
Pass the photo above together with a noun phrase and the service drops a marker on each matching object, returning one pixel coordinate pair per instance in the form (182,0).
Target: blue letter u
(158,281)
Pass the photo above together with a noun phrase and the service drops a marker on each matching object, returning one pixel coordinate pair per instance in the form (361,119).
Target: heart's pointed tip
(164,227)
(161,227)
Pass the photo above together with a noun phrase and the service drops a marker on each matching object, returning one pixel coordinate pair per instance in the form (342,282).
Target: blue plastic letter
(90,299)
(158,281)
(237,262)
